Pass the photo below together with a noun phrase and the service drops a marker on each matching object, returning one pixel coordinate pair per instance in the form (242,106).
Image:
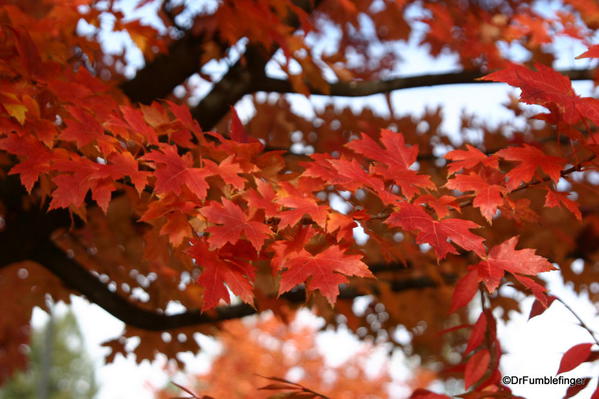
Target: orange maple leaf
(323,271)
(437,233)
(231,223)
(488,197)
(173,172)
(218,270)
(530,158)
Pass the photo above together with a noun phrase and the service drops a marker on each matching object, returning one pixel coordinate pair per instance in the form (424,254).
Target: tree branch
(236,83)
(79,279)
(367,88)
(242,77)
(159,77)
(580,321)
(76,277)
(20,242)
(576,168)
(240,81)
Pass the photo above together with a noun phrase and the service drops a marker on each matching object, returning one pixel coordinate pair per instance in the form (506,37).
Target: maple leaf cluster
(145,208)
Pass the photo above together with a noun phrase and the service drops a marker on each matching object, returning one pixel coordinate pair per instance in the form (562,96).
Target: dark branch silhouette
(79,279)
(367,87)
(159,77)
(239,81)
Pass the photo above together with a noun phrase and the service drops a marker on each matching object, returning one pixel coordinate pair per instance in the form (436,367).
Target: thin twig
(582,323)
(563,173)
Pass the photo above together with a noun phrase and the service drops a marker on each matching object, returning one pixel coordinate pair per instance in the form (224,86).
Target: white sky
(532,348)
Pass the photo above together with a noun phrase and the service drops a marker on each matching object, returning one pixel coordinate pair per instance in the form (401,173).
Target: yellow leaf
(17,111)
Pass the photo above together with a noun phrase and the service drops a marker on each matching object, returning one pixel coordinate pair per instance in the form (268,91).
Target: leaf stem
(488,343)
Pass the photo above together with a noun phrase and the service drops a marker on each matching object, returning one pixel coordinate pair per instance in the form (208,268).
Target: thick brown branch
(79,279)
(76,277)
(159,77)
(367,88)
(236,83)
(242,77)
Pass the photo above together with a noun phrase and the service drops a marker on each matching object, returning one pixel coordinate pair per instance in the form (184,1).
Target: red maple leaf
(294,242)
(469,159)
(218,270)
(505,258)
(409,181)
(550,89)
(137,123)
(592,52)
(320,167)
(300,206)
(544,87)
(177,228)
(323,271)
(437,233)
(441,205)
(232,222)
(530,158)
(538,307)
(81,127)
(69,191)
(238,132)
(477,336)
(342,224)
(173,172)
(347,174)
(37,160)
(476,367)
(573,390)
(183,116)
(589,108)
(166,204)
(228,170)
(464,289)
(394,152)
(554,198)
(123,164)
(488,197)
(537,289)
(263,197)
(82,174)
(394,160)
(352,176)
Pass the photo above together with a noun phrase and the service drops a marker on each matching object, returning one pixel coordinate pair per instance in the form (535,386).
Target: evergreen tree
(59,367)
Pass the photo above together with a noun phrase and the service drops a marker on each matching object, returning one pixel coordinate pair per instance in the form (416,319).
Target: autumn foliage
(117,189)
(274,348)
